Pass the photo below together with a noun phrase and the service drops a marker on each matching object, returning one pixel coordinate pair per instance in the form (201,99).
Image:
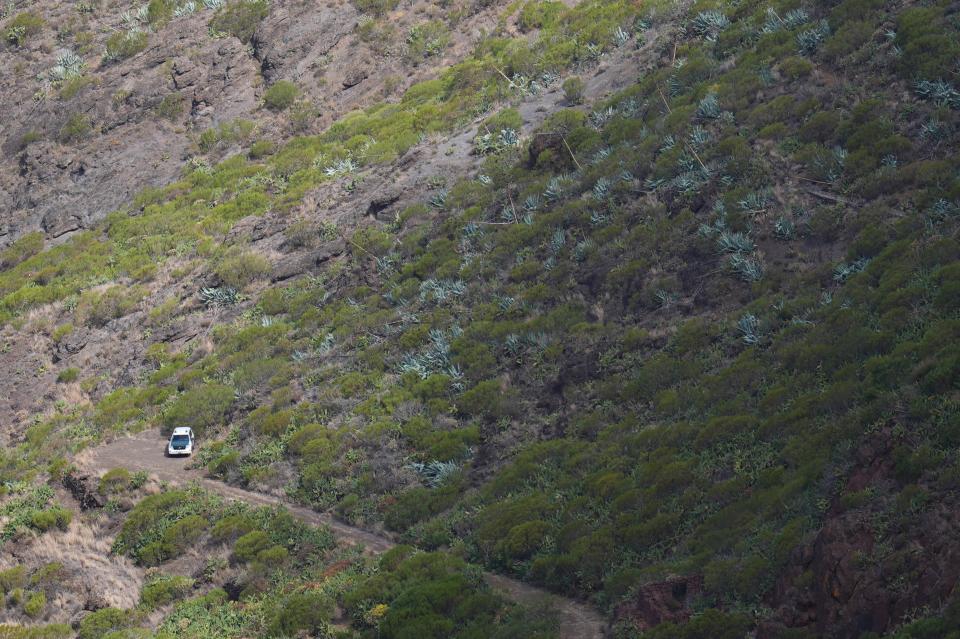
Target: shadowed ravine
(145,452)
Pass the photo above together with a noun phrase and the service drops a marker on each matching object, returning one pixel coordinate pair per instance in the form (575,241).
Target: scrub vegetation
(702,330)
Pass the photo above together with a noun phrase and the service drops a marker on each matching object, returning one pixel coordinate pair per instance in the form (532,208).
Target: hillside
(530,319)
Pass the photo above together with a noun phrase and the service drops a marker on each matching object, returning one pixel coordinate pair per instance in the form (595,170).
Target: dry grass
(93,577)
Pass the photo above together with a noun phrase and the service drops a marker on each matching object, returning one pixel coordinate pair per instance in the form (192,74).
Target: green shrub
(25,247)
(241,268)
(302,613)
(281,95)
(57,517)
(124,44)
(98,308)
(76,128)
(23,26)
(101,623)
(159,12)
(68,375)
(182,534)
(240,18)
(171,107)
(573,88)
(375,7)
(164,589)
(261,149)
(199,408)
(250,545)
(35,604)
(114,481)
(795,68)
(12,578)
(427,39)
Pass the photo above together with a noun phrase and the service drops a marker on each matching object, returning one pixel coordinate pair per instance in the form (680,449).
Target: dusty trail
(145,452)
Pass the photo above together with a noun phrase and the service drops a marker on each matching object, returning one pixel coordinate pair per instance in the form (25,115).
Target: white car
(181,442)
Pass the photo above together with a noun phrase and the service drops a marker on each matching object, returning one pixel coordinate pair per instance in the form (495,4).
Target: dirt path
(145,452)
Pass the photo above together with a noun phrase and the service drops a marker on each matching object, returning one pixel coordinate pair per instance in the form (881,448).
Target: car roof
(181,430)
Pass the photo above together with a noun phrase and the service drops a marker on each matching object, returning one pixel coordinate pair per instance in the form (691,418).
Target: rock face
(291,43)
(661,602)
(69,158)
(842,581)
(83,490)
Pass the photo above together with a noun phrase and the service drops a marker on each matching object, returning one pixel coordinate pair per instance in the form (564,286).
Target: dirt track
(145,451)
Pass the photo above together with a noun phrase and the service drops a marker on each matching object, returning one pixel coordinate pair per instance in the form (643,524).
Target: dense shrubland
(650,338)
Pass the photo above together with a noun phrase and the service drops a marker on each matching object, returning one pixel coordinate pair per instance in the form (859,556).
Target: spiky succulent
(435,473)
(709,107)
(749,327)
(809,40)
(219,296)
(733,242)
(709,24)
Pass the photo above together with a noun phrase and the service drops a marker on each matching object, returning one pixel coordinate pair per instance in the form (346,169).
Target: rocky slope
(651,306)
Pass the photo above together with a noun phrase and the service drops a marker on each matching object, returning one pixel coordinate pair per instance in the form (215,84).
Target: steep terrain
(650,306)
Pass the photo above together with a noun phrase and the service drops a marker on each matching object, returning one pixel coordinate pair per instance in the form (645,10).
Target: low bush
(162,589)
(115,480)
(281,95)
(375,7)
(302,613)
(103,622)
(22,27)
(57,517)
(199,408)
(241,268)
(573,88)
(76,128)
(240,18)
(124,44)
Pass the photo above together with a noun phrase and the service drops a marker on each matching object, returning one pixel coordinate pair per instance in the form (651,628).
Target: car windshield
(180,441)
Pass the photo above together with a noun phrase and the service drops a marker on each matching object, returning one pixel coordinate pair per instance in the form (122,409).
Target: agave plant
(809,41)
(784,228)
(554,190)
(439,199)
(733,242)
(219,296)
(844,271)
(598,219)
(340,167)
(939,92)
(666,298)
(434,473)
(185,9)
(558,240)
(709,107)
(601,117)
(698,136)
(748,268)
(472,230)
(749,327)
(602,154)
(709,24)
(69,65)
(941,210)
(791,20)
(582,250)
(441,290)
(755,201)
(532,203)
(621,36)
(601,189)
